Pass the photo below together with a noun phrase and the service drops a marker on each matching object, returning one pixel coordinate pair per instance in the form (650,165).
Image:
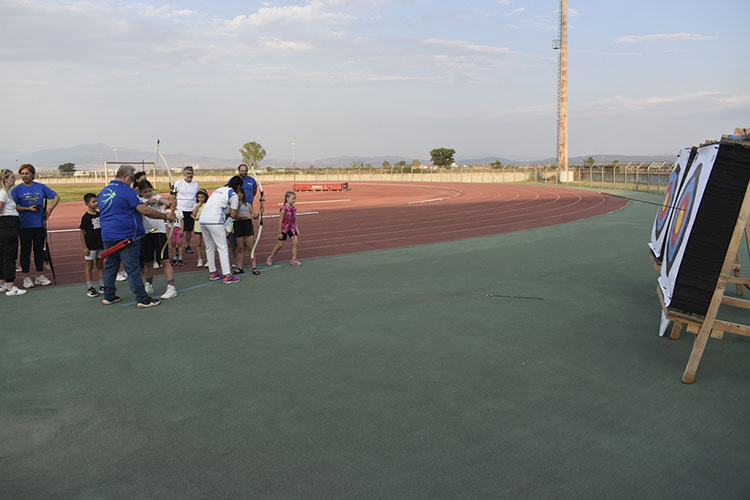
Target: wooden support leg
(676,330)
(737,271)
(695,356)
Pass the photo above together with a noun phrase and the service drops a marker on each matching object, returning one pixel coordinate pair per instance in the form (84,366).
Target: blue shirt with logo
(28,196)
(118,217)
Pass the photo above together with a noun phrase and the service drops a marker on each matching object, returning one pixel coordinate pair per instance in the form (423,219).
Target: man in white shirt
(186,190)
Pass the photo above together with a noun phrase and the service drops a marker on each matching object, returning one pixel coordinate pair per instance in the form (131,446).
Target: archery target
(697,237)
(667,209)
(686,206)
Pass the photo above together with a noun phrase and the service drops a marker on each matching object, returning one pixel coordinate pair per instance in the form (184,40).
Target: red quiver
(116,247)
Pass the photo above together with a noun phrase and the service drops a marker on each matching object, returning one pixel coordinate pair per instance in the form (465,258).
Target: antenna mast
(562,94)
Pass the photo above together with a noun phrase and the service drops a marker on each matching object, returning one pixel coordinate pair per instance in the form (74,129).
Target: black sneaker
(180,262)
(110,302)
(149,302)
(188,250)
(92,292)
(174,261)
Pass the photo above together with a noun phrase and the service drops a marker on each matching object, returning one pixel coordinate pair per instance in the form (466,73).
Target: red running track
(374,216)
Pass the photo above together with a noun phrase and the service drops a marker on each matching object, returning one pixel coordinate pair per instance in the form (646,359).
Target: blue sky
(370,77)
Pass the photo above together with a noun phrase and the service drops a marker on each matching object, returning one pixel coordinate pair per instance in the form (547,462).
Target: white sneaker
(3,288)
(156,265)
(42,280)
(27,283)
(200,262)
(149,288)
(14,291)
(170,293)
(121,276)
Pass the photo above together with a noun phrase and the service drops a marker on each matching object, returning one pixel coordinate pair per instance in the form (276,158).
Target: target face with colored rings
(662,217)
(684,208)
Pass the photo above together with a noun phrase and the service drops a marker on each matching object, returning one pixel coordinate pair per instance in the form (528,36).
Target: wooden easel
(708,325)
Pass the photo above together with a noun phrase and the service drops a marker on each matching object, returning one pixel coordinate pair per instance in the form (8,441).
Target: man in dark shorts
(186,190)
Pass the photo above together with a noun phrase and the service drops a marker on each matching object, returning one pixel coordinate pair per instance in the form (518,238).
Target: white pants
(216,239)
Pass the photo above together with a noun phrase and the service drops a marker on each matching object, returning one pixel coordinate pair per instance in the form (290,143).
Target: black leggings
(9,225)
(32,237)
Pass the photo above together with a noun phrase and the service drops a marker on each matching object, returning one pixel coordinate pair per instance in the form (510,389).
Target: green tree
(252,153)
(415,163)
(386,164)
(442,156)
(589,162)
(496,164)
(400,164)
(67,168)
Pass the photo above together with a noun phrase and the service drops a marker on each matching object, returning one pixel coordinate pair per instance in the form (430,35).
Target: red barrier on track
(321,186)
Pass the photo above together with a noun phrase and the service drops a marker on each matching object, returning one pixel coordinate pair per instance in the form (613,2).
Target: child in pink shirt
(287,228)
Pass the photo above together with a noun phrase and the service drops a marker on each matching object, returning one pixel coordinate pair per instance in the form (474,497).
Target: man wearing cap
(121,217)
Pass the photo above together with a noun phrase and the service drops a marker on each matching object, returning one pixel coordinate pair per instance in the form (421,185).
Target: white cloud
(289,45)
(313,11)
(162,12)
(663,37)
(505,2)
(485,49)
(629,102)
(517,11)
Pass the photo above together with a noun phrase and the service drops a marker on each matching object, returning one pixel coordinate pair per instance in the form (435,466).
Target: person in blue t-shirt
(30,198)
(120,211)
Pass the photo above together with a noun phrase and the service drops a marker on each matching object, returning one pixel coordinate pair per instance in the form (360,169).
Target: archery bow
(260,224)
(47,254)
(172,197)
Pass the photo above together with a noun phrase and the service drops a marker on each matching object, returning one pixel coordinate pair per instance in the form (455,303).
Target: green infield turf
(523,366)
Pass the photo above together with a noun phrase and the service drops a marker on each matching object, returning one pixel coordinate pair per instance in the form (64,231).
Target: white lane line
(321,201)
(428,201)
(299,213)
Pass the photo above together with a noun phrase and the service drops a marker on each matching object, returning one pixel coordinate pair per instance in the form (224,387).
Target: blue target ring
(662,217)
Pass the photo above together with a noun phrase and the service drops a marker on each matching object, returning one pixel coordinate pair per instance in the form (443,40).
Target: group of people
(127,220)
(24,210)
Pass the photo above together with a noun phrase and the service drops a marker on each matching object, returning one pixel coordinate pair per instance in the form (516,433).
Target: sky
(371,77)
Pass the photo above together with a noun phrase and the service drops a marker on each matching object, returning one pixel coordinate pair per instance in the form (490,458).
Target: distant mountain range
(93,156)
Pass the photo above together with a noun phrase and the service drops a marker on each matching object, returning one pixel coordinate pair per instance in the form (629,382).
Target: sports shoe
(205,264)
(14,291)
(27,283)
(121,276)
(42,280)
(295,262)
(174,261)
(3,288)
(110,302)
(156,265)
(200,262)
(269,262)
(149,288)
(149,302)
(92,292)
(180,262)
(101,288)
(231,278)
(170,293)
(188,250)
(216,275)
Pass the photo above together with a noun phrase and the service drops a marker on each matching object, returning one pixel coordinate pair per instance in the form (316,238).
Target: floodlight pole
(562,95)
(115,150)
(294,156)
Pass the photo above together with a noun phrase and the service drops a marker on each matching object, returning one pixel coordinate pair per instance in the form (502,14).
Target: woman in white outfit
(222,202)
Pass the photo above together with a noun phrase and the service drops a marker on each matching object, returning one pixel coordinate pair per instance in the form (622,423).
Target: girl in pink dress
(287,228)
